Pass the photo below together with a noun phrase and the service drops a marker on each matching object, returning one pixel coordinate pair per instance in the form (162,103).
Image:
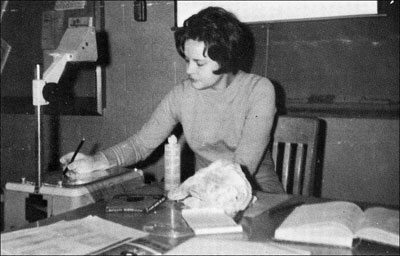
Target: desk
(257,228)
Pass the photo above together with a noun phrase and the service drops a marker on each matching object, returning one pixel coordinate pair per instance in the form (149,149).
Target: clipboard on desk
(100,175)
(93,177)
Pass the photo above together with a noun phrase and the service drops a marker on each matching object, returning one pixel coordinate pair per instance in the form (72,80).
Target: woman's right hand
(83,165)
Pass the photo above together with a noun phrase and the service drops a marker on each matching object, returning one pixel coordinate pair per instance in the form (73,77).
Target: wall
(361,160)
(360,155)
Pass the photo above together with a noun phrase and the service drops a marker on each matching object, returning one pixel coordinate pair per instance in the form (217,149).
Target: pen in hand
(75,153)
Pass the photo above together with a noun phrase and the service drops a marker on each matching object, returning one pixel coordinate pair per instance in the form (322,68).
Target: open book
(210,221)
(338,223)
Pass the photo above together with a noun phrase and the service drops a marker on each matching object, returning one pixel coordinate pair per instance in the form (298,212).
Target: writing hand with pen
(78,165)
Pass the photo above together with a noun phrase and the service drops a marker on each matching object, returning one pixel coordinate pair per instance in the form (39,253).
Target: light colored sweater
(233,124)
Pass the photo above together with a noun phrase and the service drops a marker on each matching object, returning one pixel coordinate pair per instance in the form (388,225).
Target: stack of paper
(75,237)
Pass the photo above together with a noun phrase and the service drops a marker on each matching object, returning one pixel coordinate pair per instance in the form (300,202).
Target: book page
(344,213)
(381,225)
(330,223)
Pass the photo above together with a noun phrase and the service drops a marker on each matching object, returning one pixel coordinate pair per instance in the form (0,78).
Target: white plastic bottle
(172,160)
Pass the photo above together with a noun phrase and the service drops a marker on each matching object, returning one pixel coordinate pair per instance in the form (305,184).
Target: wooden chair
(294,151)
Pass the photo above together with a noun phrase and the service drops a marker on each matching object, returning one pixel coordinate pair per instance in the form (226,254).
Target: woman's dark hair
(223,34)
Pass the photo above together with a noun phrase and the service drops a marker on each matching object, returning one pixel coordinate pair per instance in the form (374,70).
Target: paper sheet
(75,237)
(210,221)
(204,246)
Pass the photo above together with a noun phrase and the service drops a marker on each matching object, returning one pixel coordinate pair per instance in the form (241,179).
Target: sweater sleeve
(258,123)
(150,136)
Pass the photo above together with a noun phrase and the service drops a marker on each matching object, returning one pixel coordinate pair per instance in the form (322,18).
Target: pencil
(75,153)
(157,203)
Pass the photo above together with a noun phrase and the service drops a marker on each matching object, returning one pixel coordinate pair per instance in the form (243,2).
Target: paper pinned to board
(69,5)
(77,237)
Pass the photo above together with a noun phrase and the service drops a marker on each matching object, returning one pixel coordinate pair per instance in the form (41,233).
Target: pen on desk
(157,203)
(75,153)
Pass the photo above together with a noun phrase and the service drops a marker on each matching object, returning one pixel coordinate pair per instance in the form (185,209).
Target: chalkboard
(335,65)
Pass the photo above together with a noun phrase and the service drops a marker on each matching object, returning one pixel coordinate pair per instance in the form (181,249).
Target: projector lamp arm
(78,44)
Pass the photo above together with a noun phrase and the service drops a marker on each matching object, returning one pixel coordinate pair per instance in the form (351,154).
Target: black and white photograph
(182,127)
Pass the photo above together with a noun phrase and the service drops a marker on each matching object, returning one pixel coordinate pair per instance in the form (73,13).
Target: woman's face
(199,67)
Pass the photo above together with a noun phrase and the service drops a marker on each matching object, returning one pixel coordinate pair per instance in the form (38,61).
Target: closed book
(340,223)
(210,221)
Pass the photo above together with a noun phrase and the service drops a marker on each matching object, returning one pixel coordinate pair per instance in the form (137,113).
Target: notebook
(210,221)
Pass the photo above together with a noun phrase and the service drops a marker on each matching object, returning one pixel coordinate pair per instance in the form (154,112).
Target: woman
(225,112)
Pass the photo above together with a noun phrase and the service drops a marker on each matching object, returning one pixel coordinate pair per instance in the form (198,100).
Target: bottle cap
(172,139)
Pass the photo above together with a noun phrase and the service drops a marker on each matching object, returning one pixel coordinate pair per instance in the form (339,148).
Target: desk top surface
(258,225)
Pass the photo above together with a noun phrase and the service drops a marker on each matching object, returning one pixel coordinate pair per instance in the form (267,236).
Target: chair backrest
(294,152)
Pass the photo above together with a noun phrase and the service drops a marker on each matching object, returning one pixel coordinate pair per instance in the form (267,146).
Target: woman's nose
(190,68)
